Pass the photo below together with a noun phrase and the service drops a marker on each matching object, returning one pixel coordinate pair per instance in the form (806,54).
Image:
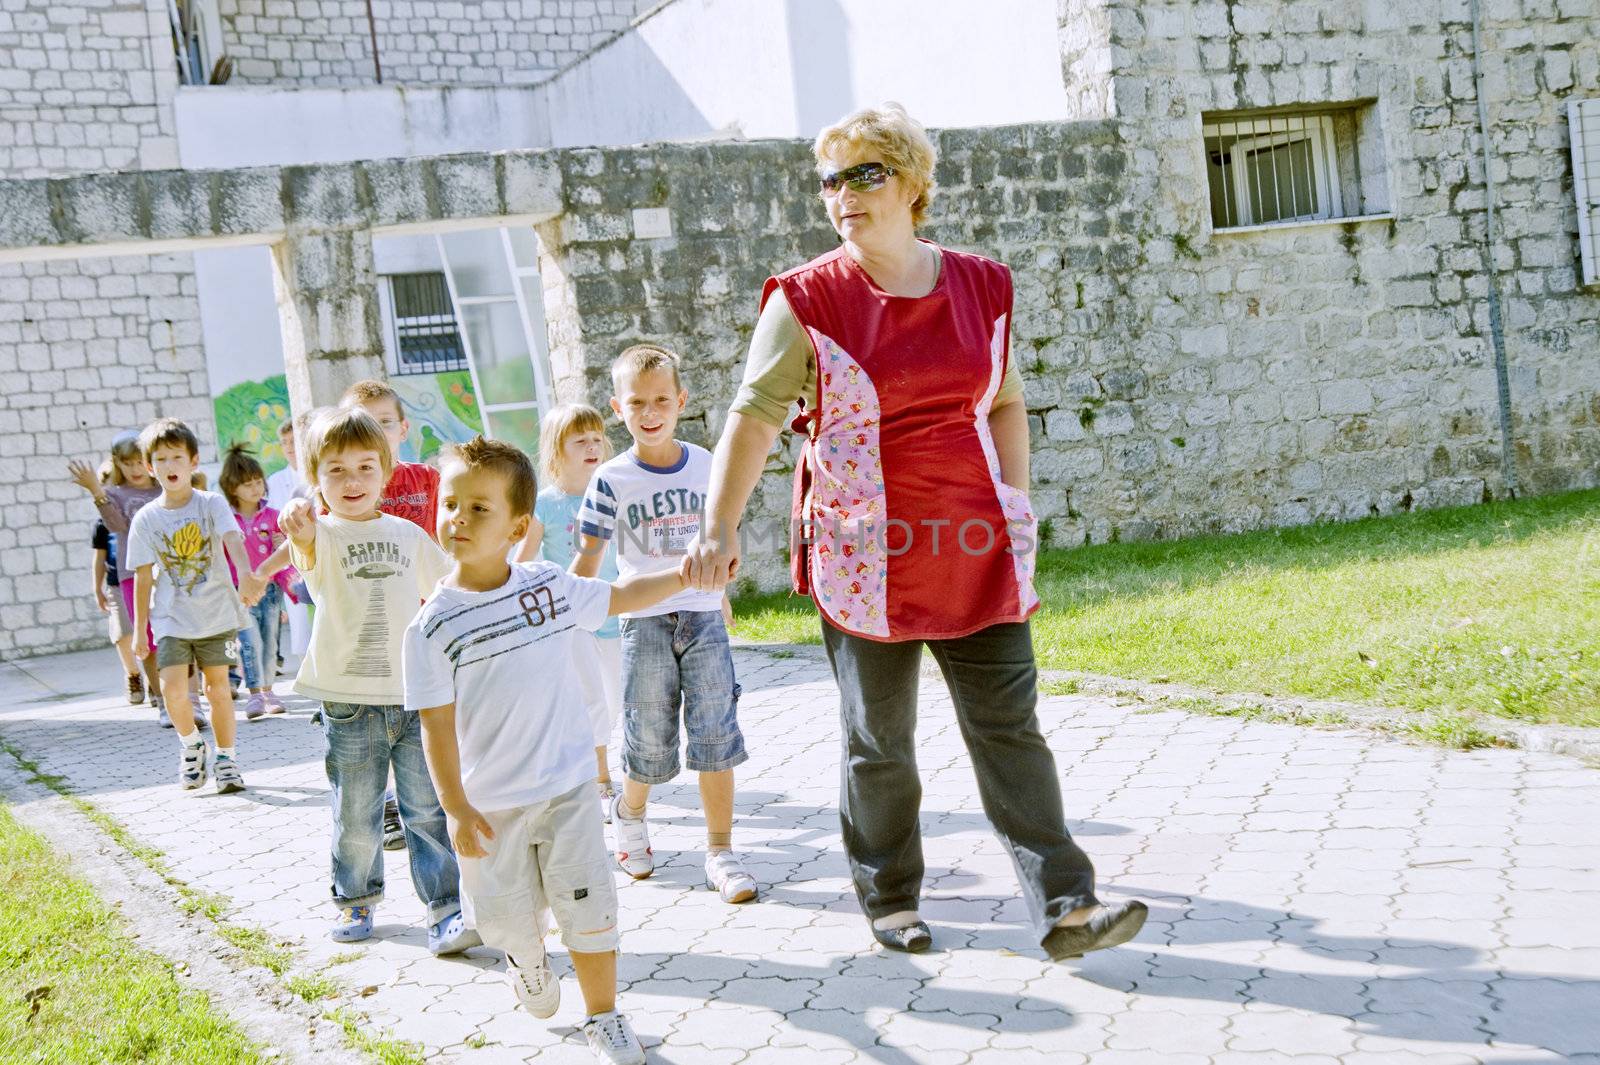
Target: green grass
(255,944)
(74,986)
(1491,609)
(380,1048)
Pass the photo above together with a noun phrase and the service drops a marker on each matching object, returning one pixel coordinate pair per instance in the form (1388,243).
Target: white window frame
(1583,125)
(394,324)
(1254,134)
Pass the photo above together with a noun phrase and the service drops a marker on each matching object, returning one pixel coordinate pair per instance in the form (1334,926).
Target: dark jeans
(363,743)
(992,681)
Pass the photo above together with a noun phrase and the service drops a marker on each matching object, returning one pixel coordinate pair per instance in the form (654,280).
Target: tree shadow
(1454,993)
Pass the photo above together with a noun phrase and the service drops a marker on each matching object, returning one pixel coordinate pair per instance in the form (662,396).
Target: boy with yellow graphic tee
(178,547)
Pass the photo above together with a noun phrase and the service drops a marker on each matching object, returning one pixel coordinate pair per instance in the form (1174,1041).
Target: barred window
(1302,166)
(426,337)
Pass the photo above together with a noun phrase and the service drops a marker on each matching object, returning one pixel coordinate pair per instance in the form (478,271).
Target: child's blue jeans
(258,641)
(678,667)
(363,742)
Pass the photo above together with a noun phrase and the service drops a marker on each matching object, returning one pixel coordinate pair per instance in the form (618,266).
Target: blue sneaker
(452,936)
(354,924)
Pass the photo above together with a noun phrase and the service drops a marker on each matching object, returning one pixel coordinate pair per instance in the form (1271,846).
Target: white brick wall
(88,348)
(85,86)
(452,42)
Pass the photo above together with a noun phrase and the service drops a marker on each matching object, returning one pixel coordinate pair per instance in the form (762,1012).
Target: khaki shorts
(220,650)
(117,619)
(549,856)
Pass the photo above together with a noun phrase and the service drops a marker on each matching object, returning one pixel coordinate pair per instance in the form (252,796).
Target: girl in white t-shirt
(572,445)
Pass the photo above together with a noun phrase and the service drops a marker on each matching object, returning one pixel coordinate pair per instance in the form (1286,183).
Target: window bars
(1275,168)
(426,336)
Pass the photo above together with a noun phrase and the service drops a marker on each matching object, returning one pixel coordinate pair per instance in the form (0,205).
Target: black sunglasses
(863,177)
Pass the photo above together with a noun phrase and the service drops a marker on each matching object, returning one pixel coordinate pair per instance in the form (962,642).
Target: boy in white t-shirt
(489,665)
(369,573)
(676,664)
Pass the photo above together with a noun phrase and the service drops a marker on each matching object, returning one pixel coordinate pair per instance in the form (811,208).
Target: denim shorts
(671,661)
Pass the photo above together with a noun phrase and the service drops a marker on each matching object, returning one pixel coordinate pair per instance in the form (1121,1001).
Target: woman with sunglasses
(912,490)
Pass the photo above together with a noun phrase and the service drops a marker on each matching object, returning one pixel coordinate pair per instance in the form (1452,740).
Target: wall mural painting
(249,413)
(441,409)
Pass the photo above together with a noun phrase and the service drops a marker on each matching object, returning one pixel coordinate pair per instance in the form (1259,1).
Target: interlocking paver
(1316,897)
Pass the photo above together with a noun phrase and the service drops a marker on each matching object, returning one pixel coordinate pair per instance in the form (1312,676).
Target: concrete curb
(1575,742)
(248,995)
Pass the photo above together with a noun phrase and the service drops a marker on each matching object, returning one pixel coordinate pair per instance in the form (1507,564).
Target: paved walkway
(1316,897)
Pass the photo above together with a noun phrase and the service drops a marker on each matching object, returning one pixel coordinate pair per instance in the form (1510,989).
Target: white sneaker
(192,765)
(536,986)
(630,838)
(611,1038)
(727,874)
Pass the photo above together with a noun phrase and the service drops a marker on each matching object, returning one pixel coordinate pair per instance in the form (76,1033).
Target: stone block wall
(85,86)
(425,42)
(89,347)
(1177,381)
(1334,371)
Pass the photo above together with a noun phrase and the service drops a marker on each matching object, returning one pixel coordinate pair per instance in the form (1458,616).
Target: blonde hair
(343,429)
(642,358)
(368,390)
(507,460)
(898,140)
(124,446)
(568,420)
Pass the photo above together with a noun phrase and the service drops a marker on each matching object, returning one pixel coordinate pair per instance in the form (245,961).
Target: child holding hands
(489,664)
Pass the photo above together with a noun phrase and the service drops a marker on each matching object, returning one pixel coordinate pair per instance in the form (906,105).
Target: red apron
(903,528)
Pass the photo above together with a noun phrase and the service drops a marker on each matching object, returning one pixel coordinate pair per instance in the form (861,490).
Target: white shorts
(549,856)
(599,663)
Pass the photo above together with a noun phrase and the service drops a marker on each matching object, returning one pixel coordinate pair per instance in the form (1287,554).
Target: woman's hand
(711,562)
(101,601)
(84,476)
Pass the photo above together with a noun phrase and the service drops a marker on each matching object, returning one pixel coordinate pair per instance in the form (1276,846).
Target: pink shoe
(254,707)
(274,704)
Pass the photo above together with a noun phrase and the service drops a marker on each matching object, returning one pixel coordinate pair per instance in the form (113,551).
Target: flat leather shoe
(913,938)
(1110,926)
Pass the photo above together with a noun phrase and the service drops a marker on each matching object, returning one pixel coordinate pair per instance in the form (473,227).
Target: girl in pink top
(244,484)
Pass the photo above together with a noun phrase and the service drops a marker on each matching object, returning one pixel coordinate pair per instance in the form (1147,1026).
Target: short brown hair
(642,358)
(562,422)
(497,456)
(168,432)
(341,429)
(368,390)
(239,466)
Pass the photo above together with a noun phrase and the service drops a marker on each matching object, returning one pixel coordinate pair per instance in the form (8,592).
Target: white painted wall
(786,68)
(691,69)
(227,126)
(238,316)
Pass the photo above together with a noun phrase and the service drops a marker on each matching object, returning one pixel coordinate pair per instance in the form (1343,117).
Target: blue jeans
(668,661)
(258,641)
(363,742)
